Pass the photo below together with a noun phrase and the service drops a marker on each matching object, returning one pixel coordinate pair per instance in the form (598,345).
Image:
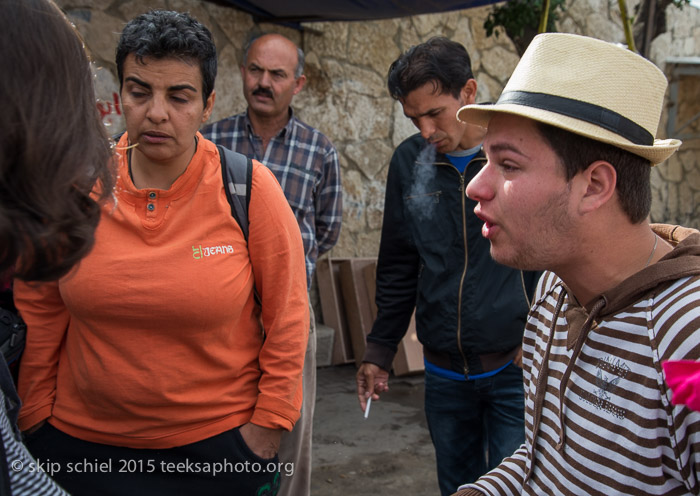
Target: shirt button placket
(151,201)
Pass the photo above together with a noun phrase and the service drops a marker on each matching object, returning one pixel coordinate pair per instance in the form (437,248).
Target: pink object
(683,377)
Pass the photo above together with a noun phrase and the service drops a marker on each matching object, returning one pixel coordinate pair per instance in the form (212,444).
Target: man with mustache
(305,163)
(470,311)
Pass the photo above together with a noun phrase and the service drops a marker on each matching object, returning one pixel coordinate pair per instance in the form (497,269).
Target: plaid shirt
(305,163)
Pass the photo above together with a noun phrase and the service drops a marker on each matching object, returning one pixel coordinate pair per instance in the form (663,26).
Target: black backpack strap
(237,171)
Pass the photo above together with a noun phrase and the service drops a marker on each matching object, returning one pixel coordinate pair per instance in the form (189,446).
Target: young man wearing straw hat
(470,311)
(567,189)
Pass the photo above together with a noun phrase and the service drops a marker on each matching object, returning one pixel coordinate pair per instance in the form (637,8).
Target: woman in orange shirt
(151,368)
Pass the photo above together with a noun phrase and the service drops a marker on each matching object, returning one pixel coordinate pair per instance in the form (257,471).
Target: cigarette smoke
(423,198)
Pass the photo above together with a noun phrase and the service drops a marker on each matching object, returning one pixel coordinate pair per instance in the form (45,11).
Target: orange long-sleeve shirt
(154,341)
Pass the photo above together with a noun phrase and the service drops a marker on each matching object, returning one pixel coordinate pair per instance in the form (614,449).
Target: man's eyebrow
(505,147)
(427,112)
(276,70)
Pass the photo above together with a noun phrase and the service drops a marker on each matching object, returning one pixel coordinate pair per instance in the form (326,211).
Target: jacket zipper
(464,275)
(466,260)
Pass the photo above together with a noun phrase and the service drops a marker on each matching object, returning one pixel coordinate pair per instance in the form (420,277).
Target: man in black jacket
(470,311)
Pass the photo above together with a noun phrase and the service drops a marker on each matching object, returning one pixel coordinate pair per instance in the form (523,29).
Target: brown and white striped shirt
(611,429)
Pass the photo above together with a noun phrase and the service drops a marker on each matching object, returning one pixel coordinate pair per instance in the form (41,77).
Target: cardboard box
(409,356)
(358,283)
(333,308)
(347,288)
(358,309)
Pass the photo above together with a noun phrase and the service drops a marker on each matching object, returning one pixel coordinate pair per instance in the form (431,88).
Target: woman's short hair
(166,34)
(53,145)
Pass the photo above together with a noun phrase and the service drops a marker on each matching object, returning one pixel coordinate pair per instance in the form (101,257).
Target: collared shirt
(305,163)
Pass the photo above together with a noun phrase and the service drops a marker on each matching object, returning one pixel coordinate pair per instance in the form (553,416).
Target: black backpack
(237,172)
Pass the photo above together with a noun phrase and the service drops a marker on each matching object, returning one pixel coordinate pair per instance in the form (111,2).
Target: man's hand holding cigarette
(372,380)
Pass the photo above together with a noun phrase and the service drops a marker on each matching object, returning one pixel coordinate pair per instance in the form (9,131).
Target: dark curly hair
(440,61)
(53,145)
(165,34)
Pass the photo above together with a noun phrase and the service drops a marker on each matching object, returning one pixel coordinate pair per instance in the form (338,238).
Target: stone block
(686,200)
(228,86)
(463,35)
(353,202)
(364,81)
(569,25)
(369,156)
(375,204)
(195,8)
(600,26)
(131,8)
(692,179)
(367,117)
(335,74)
(671,170)
(660,49)
(402,126)
(371,44)
(327,39)
(429,24)
(73,4)
(102,30)
(331,120)
(408,36)
(487,88)
(499,63)
(235,25)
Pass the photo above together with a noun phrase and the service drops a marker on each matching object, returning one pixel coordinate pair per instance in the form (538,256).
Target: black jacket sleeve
(397,269)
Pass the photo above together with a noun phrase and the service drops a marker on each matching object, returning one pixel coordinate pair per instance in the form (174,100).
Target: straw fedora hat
(589,87)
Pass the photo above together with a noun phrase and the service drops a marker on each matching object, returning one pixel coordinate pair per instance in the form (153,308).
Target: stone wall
(346,94)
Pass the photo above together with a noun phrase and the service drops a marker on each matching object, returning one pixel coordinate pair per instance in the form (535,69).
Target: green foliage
(681,3)
(520,19)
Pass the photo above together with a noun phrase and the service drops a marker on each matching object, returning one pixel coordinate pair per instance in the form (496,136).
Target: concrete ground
(390,452)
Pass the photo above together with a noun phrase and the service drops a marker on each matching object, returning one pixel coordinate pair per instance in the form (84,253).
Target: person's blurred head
(433,80)
(272,73)
(53,145)
(163,34)
(167,66)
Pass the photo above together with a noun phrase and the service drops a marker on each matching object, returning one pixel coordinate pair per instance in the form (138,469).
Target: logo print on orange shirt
(198,252)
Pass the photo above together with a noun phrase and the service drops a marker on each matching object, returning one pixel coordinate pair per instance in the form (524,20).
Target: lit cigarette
(369,403)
